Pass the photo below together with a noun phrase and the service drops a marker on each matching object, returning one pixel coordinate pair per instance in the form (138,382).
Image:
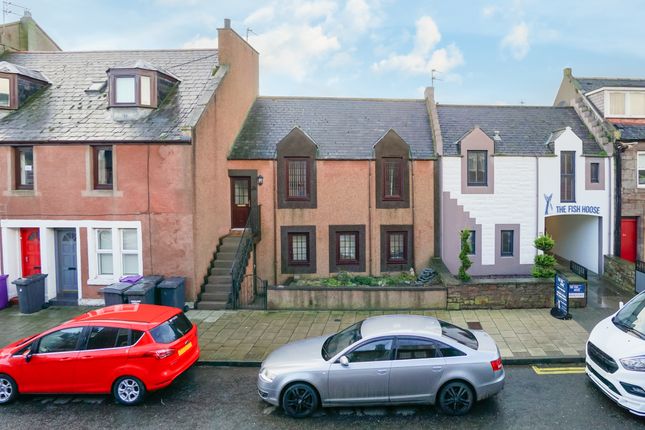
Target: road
(225,398)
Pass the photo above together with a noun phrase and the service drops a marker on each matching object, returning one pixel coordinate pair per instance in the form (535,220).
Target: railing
(250,234)
(578,269)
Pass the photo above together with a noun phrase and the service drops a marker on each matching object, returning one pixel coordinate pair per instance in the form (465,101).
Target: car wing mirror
(620,305)
(344,361)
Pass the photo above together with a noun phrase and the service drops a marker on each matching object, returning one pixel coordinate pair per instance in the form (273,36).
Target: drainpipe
(369,213)
(276,254)
(412,205)
(618,198)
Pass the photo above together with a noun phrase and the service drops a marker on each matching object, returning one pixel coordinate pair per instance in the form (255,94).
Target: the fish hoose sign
(561,298)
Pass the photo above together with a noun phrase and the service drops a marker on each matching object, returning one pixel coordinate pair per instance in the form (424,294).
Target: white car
(616,356)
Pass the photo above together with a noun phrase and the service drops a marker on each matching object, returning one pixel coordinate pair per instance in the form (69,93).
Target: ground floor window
(347,248)
(298,249)
(507,243)
(116,253)
(396,247)
(472,242)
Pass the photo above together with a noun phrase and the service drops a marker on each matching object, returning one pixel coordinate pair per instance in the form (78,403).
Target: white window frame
(117,252)
(129,251)
(627,92)
(99,252)
(639,167)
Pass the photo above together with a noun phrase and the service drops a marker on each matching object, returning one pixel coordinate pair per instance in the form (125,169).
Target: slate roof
(591,84)
(64,111)
(630,128)
(16,69)
(524,130)
(342,128)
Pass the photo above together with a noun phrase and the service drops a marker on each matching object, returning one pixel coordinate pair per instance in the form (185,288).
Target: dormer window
(139,84)
(17,84)
(5,92)
(624,104)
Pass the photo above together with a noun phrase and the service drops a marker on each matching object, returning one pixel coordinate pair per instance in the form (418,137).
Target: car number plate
(185,348)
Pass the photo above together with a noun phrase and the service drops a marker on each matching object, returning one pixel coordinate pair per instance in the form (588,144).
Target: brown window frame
(570,176)
(307,196)
(475,183)
(399,178)
(13,91)
(95,167)
(290,259)
(357,249)
(18,150)
(136,74)
(388,257)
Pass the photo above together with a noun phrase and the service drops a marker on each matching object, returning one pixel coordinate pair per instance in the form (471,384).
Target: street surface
(225,398)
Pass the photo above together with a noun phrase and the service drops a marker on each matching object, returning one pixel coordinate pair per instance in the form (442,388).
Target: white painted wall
(569,232)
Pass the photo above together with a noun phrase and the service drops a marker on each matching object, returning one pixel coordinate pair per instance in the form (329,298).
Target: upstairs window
(626,104)
(297,183)
(617,103)
(477,162)
(641,169)
(595,173)
(392,178)
(133,88)
(568,176)
(5,92)
(125,90)
(102,164)
(24,167)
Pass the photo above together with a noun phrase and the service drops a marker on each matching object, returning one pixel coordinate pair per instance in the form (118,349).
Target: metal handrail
(238,268)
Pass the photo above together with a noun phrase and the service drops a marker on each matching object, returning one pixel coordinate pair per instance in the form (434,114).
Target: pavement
(246,337)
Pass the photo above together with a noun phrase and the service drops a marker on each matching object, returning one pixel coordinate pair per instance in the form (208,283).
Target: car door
(52,362)
(105,351)
(416,370)
(365,378)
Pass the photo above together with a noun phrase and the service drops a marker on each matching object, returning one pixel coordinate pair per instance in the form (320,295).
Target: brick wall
(620,272)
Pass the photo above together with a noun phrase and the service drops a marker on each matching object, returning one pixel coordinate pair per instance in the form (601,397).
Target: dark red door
(240,201)
(628,239)
(30,247)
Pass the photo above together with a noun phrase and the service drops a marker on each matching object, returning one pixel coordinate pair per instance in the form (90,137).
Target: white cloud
(264,14)
(517,41)
(201,42)
(424,57)
(489,10)
(314,9)
(359,15)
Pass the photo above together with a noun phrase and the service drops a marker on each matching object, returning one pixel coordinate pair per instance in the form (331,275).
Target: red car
(125,350)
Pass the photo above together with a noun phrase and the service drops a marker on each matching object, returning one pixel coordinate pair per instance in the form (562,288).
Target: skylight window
(96,87)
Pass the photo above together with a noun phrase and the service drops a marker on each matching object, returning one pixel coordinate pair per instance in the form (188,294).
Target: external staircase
(216,289)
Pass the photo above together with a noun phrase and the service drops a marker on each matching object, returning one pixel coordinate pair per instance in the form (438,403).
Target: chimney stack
(227,23)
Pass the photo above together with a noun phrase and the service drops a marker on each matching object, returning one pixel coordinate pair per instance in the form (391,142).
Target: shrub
(463,256)
(544,263)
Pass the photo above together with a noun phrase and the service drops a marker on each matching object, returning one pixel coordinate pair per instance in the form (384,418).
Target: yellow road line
(557,370)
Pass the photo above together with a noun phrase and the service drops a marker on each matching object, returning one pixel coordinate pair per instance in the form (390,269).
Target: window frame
(13,91)
(568,176)
(98,251)
(357,248)
(477,152)
(95,167)
(307,197)
(639,168)
(472,242)
(35,346)
(18,185)
(627,94)
(286,251)
(398,162)
(388,257)
(594,177)
(137,74)
(124,252)
(94,277)
(290,259)
(503,253)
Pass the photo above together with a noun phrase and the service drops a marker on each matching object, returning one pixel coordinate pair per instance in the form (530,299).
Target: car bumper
(268,392)
(167,376)
(488,390)
(610,384)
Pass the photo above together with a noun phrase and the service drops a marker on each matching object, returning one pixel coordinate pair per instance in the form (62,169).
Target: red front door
(240,201)
(30,247)
(628,239)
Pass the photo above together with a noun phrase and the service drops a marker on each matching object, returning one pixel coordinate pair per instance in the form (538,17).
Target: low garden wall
(356,298)
(514,293)
(620,272)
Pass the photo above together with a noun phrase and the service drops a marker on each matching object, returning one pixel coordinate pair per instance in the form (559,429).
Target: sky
(483,51)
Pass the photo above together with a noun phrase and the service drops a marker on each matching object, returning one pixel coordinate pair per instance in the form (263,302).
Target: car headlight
(634,363)
(267,375)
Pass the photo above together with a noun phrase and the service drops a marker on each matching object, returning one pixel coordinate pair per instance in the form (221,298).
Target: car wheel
(129,390)
(8,389)
(299,400)
(456,398)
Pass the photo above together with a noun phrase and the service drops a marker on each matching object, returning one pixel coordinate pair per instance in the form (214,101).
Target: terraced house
(110,161)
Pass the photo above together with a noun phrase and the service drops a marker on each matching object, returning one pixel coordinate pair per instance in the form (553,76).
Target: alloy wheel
(456,398)
(129,390)
(6,390)
(300,401)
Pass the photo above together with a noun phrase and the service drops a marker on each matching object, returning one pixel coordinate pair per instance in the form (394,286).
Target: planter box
(357,298)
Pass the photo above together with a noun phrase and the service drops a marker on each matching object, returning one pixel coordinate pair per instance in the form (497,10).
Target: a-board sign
(561,298)
(577,291)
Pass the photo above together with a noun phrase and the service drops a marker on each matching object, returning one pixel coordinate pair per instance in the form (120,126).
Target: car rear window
(459,334)
(171,330)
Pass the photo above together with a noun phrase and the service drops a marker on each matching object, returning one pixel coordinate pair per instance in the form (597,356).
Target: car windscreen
(341,340)
(171,330)
(459,334)
(631,317)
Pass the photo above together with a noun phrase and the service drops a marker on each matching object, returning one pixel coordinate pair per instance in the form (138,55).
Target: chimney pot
(227,23)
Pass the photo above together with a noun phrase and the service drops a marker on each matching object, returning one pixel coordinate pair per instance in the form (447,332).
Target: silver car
(384,360)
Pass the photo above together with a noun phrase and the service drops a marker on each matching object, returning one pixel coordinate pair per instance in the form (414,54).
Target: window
(298,248)
(617,103)
(130,251)
(636,104)
(472,242)
(568,176)
(347,247)
(102,167)
(507,243)
(392,179)
(108,337)
(297,175)
(104,252)
(595,173)
(463,336)
(449,351)
(146,90)
(60,341)
(477,163)
(5,92)
(415,349)
(377,350)
(397,247)
(125,90)
(173,329)
(641,169)
(24,166)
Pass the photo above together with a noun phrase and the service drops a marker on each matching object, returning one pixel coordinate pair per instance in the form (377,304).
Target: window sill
(100,281)
(102,193)
(21,193)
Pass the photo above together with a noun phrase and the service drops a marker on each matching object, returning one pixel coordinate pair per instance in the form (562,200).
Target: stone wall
(515,293)
(356,298)
(620,272)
